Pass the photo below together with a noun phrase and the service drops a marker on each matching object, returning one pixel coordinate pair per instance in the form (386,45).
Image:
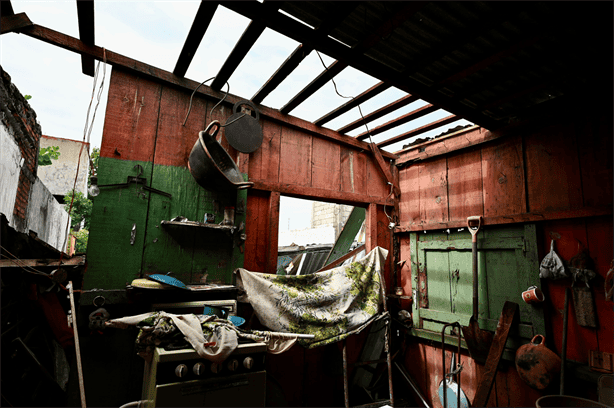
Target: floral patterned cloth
(331,305)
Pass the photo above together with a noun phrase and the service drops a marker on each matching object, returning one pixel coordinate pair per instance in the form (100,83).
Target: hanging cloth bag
(552,266)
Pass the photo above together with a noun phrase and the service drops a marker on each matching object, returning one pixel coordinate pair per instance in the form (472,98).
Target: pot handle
(235,108)
(210,131)
(542,340)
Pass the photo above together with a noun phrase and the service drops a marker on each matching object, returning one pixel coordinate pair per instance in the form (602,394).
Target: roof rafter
(365,96)
(391,107)
(401,120)
(242,47)
(384,30)
(420,130)
(201,22)
(300,53)
(299,32)
(85,15)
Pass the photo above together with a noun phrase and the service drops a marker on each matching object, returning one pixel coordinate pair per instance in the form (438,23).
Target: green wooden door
(507,265)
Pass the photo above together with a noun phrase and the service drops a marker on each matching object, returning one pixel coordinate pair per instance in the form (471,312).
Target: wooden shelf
(196,224)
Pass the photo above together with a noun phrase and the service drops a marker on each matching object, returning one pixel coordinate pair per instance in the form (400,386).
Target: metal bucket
(566,401)
(211,166)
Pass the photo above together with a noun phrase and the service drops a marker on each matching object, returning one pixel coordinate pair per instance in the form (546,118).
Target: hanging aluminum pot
(211,166)
(242,130)
(536,364)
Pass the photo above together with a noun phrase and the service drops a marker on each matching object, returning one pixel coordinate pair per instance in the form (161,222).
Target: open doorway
(309,232)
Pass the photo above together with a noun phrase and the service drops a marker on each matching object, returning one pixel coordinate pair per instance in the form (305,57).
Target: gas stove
(176,378)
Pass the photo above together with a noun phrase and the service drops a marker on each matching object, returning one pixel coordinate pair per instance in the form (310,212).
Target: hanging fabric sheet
(331,305)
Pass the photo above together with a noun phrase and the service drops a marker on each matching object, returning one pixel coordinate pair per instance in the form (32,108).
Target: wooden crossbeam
(354,102)
(203,18)
(391,107)
(249,37)
(148,71)
(384,30)
(18,263)
(401,120)
(420,130)
(85,15)
(302,51)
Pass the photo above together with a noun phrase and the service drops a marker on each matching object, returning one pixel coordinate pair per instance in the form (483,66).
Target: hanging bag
(552,266)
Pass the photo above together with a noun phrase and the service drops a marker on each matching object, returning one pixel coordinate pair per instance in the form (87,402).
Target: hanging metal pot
(536,364)
(211,166)
(242,130)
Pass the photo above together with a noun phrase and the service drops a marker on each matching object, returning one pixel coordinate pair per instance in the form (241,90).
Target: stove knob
(181,370)
(233,365)
(248,363)
(198,369)
(216,368)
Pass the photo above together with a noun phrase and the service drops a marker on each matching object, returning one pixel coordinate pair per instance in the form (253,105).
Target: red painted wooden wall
(558,176)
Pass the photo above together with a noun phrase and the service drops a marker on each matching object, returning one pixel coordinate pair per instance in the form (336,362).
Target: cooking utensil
(169,280)
(478,341)
(242,130)
(536,364)
(510,310)
(211,166)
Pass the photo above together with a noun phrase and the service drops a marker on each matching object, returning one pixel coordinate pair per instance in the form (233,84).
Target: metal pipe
(443,363)
(77,349)
(564,346)
(408,378)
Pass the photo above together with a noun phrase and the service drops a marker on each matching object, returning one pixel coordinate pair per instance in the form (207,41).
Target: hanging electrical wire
(87,131)
(216,105)
(346,97)
(21,264)
(391,224)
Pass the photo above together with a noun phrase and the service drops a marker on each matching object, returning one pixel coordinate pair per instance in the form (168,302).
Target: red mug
(533,295)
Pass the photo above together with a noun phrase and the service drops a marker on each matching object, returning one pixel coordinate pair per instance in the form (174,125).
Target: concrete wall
(9,171)
(59,177)
(25,201)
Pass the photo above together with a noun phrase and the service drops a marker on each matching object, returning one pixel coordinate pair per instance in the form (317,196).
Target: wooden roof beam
(201,22)
(401,120)
(383,31)
(420,130)
(85,15)
(391,107)
(301,33)
(365,96)
(245,43)
(342,10)
(6,8)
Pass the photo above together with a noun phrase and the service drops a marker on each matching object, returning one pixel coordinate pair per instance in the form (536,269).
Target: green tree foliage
(46,154)
(95,157)
(81,240)
(81,209)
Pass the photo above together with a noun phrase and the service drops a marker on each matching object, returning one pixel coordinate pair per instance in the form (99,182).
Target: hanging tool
(510,310)
(478,341)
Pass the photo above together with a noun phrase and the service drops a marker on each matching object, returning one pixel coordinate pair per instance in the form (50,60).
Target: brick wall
(20,119)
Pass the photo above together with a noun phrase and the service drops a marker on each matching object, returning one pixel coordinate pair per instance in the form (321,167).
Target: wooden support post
(273,241)
(77,349)
(371,236)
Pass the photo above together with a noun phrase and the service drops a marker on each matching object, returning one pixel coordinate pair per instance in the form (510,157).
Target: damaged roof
(490,63)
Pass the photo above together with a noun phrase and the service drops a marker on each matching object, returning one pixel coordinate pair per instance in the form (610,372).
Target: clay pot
(536,364)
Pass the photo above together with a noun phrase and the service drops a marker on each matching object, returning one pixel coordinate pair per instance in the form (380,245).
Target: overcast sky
(154,33)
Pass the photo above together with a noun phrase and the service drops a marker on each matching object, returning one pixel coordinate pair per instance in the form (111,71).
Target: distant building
(59,177)
(330,215)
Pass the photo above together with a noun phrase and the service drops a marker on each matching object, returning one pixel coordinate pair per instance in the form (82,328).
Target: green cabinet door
(507,266)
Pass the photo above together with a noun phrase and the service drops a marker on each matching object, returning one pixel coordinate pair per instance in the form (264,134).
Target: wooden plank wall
(559,177)
(289,159)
